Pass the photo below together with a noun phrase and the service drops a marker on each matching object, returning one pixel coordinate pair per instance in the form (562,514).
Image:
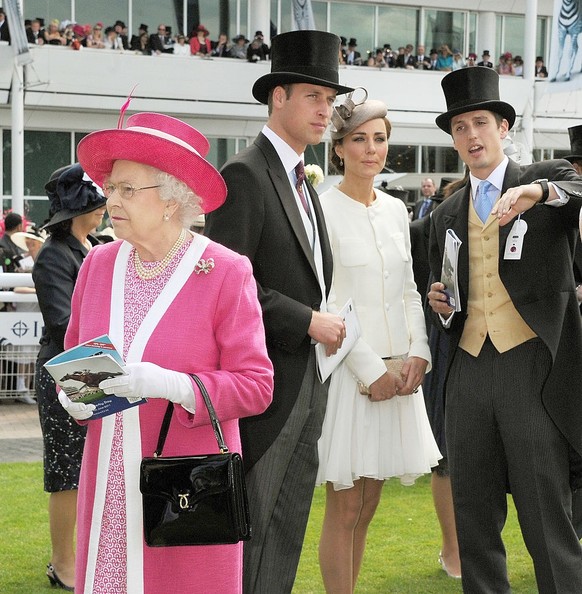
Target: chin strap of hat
(124,109)
(343,112)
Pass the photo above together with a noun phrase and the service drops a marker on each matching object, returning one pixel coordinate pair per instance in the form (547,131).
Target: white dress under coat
(373,266)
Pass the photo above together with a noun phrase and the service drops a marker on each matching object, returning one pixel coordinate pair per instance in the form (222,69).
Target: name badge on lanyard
(514,243)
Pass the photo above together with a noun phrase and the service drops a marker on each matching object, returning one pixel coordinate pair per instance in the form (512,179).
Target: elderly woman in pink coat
(174,303)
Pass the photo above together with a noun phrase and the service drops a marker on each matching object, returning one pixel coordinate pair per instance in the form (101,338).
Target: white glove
(147,380)
(78,410)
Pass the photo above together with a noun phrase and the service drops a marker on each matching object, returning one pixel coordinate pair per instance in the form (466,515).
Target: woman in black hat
(76,209)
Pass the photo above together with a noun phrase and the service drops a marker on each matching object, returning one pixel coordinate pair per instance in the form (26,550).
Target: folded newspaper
(78,372)
(449,270)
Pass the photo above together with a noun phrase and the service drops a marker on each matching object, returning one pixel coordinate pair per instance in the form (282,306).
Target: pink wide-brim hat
(161,141)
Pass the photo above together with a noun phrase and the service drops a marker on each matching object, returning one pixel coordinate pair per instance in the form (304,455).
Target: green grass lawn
(401,557)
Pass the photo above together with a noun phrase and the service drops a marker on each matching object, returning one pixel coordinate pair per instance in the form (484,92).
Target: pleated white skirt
(378,440)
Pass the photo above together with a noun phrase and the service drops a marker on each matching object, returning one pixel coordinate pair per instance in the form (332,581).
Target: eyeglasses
(125,190)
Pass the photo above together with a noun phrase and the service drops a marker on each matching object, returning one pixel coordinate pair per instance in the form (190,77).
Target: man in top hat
(121,31)
(353,57)
(273,215)
(514,371)
(134,42)
(257,50)
(485,60)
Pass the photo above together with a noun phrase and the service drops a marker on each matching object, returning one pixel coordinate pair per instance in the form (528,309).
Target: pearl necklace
(151,273)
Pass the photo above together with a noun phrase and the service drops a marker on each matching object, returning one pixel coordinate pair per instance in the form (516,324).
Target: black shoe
(54,579)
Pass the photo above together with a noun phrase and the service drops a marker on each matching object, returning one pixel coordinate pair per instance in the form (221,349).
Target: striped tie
(300,173)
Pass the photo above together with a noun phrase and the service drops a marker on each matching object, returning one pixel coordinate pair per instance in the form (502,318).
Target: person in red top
(199,42)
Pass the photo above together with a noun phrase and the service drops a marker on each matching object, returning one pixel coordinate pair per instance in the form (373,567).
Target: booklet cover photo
(79,371)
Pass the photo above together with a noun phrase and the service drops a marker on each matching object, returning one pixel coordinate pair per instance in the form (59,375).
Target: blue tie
(424,207)
(486,193)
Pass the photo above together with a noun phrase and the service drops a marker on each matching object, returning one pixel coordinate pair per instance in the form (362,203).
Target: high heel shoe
(445,569)
(54,579)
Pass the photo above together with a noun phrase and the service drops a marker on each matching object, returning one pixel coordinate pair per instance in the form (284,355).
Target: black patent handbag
(194,500)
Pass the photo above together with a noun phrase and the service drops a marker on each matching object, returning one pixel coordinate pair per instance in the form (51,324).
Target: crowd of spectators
(199,43)
(116,37)
(441,58)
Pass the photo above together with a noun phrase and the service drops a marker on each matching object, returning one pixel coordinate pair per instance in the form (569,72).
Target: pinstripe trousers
(500,436)
(280,489)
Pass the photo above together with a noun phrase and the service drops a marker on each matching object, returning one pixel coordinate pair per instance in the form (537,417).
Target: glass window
(402,158)
(315,155)
(472,35)
(222,149)
(541,36)
(106,13)
(154,13)
(43,153)
(213,15)
(320,15)
(440,159)
(445,27)
(513,35)
(354,20)
(49,9)
(397,26)
(6,162)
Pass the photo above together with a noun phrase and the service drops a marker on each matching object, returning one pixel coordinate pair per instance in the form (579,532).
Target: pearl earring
(341,162)
(166,216)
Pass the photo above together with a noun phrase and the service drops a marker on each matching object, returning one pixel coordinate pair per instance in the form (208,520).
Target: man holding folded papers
(513,402)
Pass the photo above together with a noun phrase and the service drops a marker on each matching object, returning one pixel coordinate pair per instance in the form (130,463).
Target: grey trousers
(499,435)
(280,489)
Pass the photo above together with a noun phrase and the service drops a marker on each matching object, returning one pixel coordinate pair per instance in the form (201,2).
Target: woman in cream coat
(385,433)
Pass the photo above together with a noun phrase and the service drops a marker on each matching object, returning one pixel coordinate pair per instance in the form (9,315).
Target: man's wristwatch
(545,189)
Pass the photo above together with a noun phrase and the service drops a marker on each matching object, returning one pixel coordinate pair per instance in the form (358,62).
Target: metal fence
(19,335)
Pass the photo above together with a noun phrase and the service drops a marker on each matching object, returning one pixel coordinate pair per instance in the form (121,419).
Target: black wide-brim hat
(302,57)
(575,133)
(71,193)
(470,89)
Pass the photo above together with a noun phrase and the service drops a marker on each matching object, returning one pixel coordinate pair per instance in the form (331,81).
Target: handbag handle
(211,412)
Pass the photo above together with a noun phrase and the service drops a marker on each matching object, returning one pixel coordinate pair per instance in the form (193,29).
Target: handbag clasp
(183,500)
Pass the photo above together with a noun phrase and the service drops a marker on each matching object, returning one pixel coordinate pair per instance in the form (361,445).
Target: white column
(17,138)
(530,30)
(486,36)
(529,56)
(260,19)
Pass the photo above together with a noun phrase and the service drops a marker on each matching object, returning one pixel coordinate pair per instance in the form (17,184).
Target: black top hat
(144,27)
(259,34)
(470,89)
(343,40)
(71,193)
(398,193)
(486,53)
(440,193)
(302,57)
(575,133)
(353,42)
(119,24)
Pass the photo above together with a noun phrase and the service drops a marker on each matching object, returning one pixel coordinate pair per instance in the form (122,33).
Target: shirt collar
(495,177)
(288,156)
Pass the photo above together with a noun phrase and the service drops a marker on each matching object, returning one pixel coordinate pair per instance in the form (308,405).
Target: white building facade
(70,93)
